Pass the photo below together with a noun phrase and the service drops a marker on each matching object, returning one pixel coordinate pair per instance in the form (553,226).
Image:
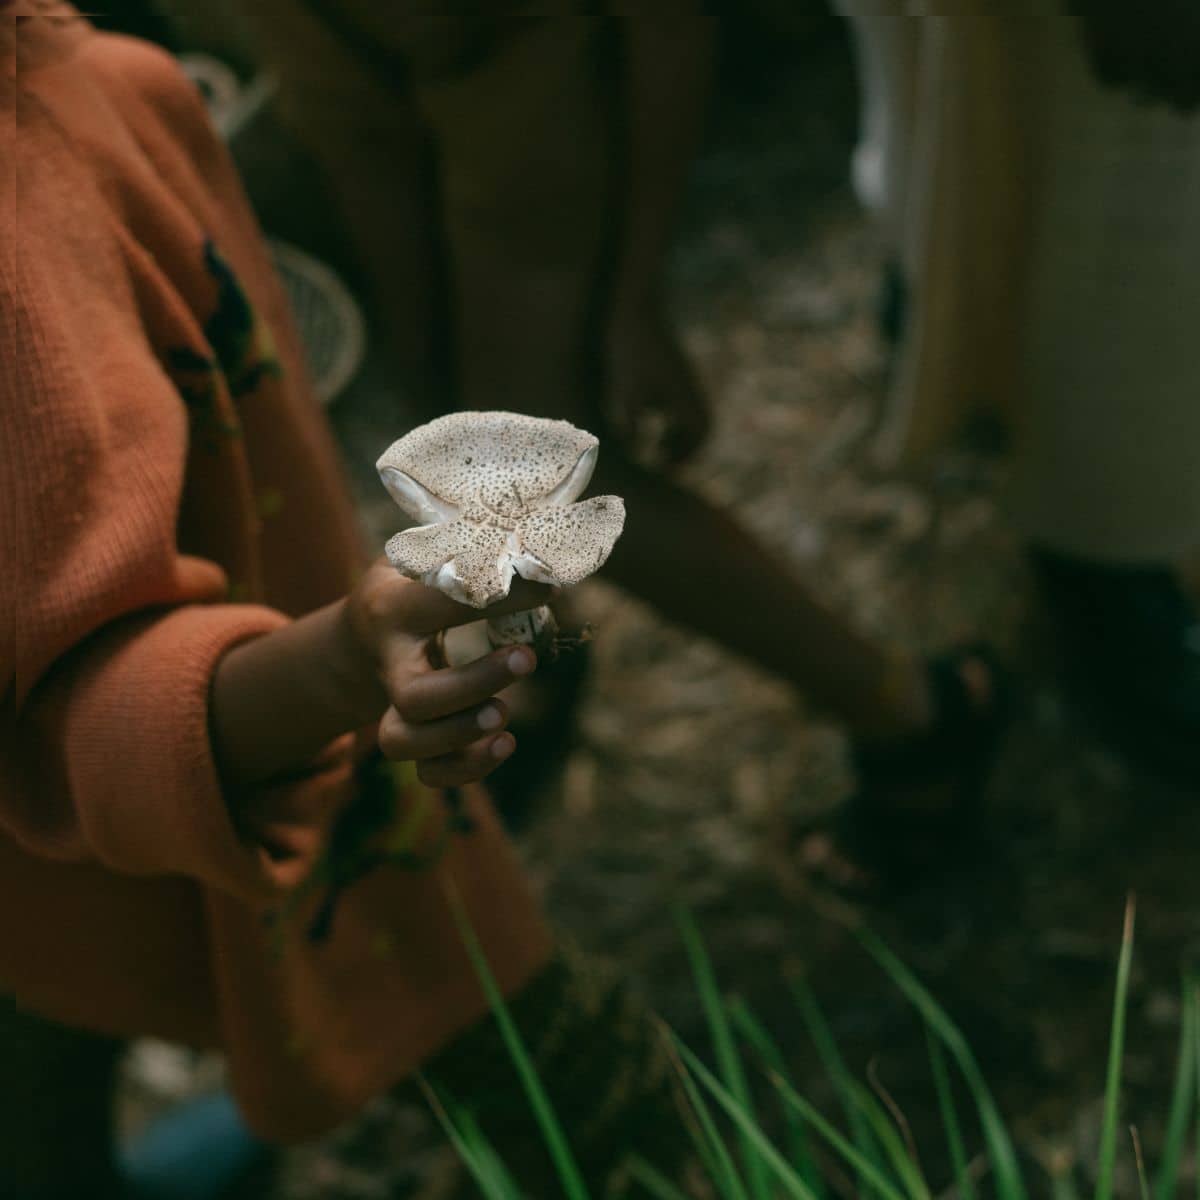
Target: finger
(443,693)
(469,765)
(425,610)
(405,741)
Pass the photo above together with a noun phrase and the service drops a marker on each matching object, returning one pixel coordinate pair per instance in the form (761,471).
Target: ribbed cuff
(138,752)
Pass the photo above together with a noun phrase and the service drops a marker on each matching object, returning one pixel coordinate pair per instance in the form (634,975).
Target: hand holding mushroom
(495,492)
(450,721)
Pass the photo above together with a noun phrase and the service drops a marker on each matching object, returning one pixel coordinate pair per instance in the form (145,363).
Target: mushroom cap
(563,546)
(481,463)
(494,491)
(470,563)
(475,564)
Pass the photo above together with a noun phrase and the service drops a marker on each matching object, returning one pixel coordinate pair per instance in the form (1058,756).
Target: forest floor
(692,770)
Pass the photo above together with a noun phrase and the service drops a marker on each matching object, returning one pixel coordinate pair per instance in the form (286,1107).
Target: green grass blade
(656,1184)
(1139,1160)
(896,1150)
(491,1188)
(486,1156)
(1195,1005)
(552,1133)
(800,1150)
(1005,1168)
(839,1075)
(717,1159)
(1181,1103)
(728,1060)
(945,1096)
(793,1185)
(872,1175)
(1062,1177)
(1116,1054)
(1062,1187)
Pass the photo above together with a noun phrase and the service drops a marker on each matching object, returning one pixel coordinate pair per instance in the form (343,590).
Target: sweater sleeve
(110,636)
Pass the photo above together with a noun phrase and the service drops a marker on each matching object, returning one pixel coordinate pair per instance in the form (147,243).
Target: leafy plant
(742,1163)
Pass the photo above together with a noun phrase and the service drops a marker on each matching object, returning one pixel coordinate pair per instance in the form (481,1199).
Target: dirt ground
(691,768)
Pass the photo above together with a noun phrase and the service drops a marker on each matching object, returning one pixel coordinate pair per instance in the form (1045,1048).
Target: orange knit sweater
(167,489)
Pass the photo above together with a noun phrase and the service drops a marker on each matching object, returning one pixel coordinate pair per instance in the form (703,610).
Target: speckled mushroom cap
(495,492)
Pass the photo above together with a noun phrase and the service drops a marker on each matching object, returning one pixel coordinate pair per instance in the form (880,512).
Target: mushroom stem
(534,627)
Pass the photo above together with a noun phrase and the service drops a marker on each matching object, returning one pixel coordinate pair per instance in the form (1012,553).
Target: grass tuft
(879,1149)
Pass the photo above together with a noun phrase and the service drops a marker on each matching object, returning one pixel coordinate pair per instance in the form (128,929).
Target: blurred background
(688,770)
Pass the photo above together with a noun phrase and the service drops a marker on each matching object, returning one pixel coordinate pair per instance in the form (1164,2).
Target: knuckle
(377,604)
(393,737)
(407,704)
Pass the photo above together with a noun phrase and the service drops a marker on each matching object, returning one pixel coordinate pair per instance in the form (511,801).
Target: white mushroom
(495,493)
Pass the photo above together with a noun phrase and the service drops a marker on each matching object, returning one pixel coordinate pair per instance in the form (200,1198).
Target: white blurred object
(331,324)
(172,1073)
(231,105)
(217,81)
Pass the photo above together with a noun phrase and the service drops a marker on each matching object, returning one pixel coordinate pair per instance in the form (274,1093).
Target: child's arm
(145,724)
(279,700)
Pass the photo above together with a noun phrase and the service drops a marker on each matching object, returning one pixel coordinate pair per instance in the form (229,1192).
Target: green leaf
(793,1185)
(556,1142)
(1181,1101)
(657,1184)
(1143,1184)
(486,1156)
(1116,1053)
(1009,1183)
(488,1185)
(835,1067)
(872,1175)
(1195,1000)
(710,1144)
(799,1147)
(945,1095)
(1062,1178)
(728,1060)
(905,1166)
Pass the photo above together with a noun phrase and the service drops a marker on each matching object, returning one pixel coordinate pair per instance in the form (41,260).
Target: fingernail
(522,661)
(504,745)
(489,717)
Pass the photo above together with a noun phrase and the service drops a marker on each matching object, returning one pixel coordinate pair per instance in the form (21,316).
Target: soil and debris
(691,769)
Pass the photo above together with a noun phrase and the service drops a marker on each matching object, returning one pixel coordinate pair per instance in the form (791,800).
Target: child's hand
(448,720)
